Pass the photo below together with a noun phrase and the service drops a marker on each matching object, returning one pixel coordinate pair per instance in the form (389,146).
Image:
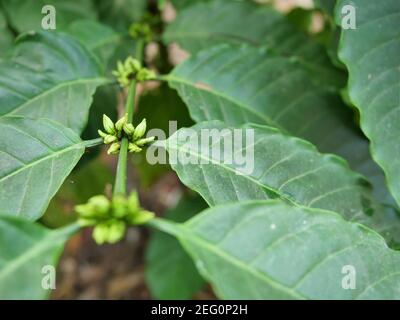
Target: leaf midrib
(38,247)
(189,235)
(267,120)
(55,88)
(47,157)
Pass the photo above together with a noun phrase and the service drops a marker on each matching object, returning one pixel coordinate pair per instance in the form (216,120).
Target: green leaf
(206,24)
(96,37)
(371,53)
(273,165)
(6,38)
(270,250)
(36,156)
(88,181)
(26,248)
(49,75)
(27,15)
(122,13)
(240,85)
(159,107)
(170,273)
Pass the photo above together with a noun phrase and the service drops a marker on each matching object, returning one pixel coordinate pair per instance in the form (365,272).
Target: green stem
(121,176)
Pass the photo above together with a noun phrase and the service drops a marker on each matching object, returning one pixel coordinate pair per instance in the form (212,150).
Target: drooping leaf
(270,250)
(170,273)
(371,53)
(6,37)
(259,162)
(206,24)
(27,15)
(36,156)
(28,254)
(240,85)
(122,13)
(49,75)
(96,37)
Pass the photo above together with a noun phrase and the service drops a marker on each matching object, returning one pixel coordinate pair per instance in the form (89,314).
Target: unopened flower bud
(133,148)
(145,75)
(116,231)
(133,202)
(129,129)
(110,139)
(114,148)
(101,204)
(108,125)
(119,206)
(140,130)
(101,133)
(121,122)
(100,233)
(141,217)
(84,222)
(142,142)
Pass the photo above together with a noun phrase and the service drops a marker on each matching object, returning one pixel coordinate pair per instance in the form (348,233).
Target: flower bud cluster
(115,132)
(110,218)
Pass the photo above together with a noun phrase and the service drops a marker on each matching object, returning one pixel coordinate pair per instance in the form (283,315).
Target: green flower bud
(145,75)
(142,142)
(108,125)
(86,210)
(133,148)
(119,206)
(140,130)
(110,139)
(114,148)
(101,133)
(84,222)
(120,68)
(141,217)
(129,128)
(133,203)
(133,65)
(101,204)
(121,122)
(100,233)
(116,231)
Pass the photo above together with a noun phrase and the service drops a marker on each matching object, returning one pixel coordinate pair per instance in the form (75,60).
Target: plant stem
(120,178)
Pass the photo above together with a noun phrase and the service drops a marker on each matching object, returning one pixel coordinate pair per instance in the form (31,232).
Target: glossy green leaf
(170,273)
(272,165)
(49,75)
(270,250)
(159,107)
(240,85)
(27,15)
(206,24)
(96,37)
(371,53)
(36,156)
(28,251)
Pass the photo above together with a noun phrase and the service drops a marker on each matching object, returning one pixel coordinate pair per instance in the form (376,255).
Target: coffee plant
(315,216)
